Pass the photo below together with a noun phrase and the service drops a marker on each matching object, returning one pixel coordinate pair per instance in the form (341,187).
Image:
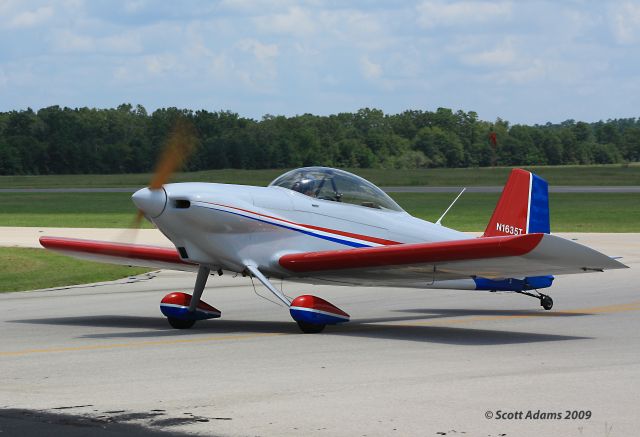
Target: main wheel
(180,323)
(310,328)
(546,302)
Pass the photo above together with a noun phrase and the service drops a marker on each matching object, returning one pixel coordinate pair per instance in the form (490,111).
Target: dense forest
(127,139)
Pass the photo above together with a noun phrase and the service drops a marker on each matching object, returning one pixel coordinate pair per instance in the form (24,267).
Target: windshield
(337,186)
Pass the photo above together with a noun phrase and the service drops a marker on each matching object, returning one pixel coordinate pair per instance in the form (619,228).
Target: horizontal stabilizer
(487,257)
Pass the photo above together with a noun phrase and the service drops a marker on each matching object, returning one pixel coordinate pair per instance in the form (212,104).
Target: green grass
(599,212)
(570,212)
(31,269)
(68,210)
(616,174)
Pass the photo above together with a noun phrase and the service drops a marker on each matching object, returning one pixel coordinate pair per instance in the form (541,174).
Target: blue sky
(523,61)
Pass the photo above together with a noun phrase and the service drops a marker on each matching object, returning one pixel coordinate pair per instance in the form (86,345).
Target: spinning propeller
(179,146)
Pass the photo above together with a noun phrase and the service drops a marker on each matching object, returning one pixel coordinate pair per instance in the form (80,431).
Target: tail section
(523,207)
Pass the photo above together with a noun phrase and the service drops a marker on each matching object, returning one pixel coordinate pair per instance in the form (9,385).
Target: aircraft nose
(151,202)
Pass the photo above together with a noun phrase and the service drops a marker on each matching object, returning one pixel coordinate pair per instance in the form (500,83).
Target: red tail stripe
(511,213)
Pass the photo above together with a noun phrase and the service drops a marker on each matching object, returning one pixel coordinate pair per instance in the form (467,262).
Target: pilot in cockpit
(306,187)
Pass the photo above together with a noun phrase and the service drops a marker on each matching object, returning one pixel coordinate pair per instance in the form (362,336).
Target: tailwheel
(310,328)
(546,302)
(180,323)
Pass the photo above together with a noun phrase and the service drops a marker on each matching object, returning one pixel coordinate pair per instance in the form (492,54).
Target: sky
(523,61)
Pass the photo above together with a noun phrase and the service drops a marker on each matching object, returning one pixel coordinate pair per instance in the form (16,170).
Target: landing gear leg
(277,293)
(310,312)
(545,301)
(306,327)
(201,281)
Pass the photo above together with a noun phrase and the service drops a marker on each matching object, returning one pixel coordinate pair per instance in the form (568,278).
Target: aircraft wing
(488,257)
(119,253)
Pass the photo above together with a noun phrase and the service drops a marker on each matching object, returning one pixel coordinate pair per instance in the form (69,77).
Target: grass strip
(612,174)
(570,212)
(32,269)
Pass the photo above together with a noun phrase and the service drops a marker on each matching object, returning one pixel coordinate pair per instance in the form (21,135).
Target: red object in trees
(493,138)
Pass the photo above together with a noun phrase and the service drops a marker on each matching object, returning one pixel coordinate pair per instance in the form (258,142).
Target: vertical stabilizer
(523,207)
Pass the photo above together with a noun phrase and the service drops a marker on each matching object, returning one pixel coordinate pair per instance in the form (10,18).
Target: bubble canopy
(335,185)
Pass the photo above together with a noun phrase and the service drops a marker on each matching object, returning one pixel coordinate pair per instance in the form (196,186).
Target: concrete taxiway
(411,362)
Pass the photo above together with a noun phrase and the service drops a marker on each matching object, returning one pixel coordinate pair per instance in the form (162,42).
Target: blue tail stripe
(539,206)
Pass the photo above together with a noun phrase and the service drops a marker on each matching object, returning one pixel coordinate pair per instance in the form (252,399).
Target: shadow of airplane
(455,312)
(376,328)
(38,423)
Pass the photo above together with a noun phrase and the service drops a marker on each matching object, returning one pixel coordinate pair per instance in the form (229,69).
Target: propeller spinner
(180,145)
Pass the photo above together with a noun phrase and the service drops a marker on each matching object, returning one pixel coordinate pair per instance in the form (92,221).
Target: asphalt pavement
(100,359)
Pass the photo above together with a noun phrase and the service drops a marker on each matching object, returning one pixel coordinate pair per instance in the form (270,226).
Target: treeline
(127,139)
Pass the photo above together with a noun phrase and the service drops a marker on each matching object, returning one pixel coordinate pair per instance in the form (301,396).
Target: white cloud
(434,13)
(220,66)
(534,70)
(503,55)
(3,78)
(132,7)
(353,28)
(255,5)
(6,6)
(259,72)
(66,41)
(124,43)
(31,18)
(262,52)
(625,19)
(160,63)
(296,21)
(260,56)
(370,69)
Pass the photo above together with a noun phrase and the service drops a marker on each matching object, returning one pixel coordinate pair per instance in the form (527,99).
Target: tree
(57,140)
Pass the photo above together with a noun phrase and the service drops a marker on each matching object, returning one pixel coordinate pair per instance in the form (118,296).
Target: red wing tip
(46,240)
(113,249)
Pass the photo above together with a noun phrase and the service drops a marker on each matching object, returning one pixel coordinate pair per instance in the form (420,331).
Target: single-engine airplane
(327,226)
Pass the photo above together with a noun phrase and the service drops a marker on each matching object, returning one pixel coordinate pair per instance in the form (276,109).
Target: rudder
(523,207)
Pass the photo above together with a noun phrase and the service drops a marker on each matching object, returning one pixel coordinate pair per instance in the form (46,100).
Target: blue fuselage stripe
(312,234)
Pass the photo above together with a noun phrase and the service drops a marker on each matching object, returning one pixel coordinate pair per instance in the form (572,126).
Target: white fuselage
(231,226)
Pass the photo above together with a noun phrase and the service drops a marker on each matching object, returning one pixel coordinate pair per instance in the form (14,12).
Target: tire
(310,328)
(546,302)
(180,323)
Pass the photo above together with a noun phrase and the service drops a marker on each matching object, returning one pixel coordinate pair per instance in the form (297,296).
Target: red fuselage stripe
(315,228)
